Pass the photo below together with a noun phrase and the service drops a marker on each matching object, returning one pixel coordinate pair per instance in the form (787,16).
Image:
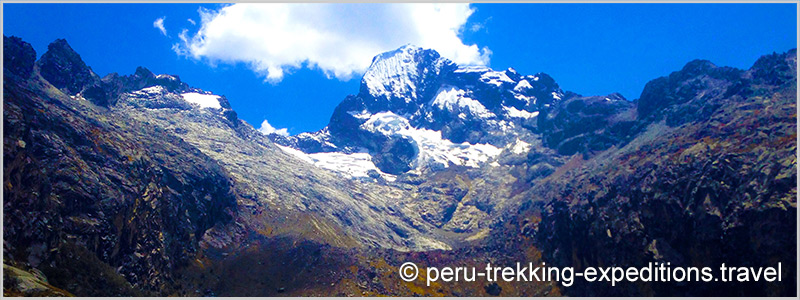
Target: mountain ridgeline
(144,185)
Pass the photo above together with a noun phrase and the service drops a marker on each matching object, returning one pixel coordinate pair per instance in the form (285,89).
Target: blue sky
(591,49)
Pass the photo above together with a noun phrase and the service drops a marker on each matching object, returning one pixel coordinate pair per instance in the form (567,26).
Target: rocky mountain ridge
(141,184)
(710,179)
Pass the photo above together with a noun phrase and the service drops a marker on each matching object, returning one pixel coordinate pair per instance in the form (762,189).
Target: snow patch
(495,78)
(296,153)
(472,69)
(203,100)
(523,85)
(505,126)
(434,151)
(520,147)
(165,76)
(452,99)
(355,165)
(525,99)
(364,114)
(516,113)
(150,91)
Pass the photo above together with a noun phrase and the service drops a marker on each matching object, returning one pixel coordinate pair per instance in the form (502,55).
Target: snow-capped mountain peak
(419,111)
(398,73)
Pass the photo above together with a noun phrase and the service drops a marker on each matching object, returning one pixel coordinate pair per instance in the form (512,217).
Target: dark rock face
(586,124)
(394,155)
(18,57)
(772,70)
(65,69)
(689,94)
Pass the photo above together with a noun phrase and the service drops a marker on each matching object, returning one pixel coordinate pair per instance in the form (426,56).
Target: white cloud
(191,21)
(339,39)
(266,128)
(159,24)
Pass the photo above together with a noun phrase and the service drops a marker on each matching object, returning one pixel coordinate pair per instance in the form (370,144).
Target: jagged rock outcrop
(64,68)
(772,71)
(18,57)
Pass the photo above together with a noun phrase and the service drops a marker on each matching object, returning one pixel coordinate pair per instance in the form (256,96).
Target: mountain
(144,185)
(156,171)
(418,112)
(710,179)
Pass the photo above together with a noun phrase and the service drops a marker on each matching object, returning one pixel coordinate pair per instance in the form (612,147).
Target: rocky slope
(151,172)
(78,184)
(710,179)
(144,185)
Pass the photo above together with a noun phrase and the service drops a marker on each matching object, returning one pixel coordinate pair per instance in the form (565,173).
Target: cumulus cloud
(339,39)
(266,128)
(159,24)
